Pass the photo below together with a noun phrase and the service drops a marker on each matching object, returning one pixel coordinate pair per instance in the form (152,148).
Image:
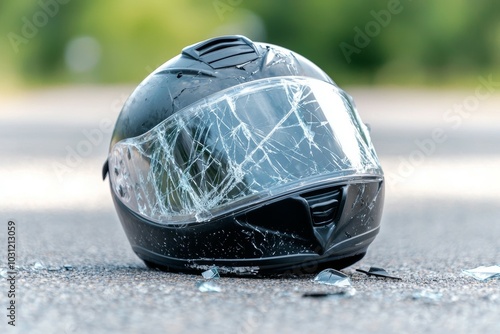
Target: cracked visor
(241,146)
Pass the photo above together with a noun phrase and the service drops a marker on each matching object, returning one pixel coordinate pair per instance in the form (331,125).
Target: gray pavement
(442,215)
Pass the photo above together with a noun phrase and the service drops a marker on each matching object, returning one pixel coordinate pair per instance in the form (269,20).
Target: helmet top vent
(225,51)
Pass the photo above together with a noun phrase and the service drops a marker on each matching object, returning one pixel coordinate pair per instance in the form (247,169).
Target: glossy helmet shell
(289,233)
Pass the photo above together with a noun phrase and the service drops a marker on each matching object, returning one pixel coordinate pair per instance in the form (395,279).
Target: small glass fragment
(332,277)
(54,268)
(212,273)
(427,296)
(318,294)
(38,266)
(338,294)
(68,267)
(208,286)
(377,272)
(3,273)
(483,273)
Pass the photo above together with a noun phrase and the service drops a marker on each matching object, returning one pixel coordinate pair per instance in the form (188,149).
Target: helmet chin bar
(270,238)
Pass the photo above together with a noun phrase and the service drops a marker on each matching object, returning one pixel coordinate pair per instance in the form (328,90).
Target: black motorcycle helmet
(245,156)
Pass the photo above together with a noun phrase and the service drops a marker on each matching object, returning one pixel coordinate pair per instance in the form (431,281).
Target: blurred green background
(380,42)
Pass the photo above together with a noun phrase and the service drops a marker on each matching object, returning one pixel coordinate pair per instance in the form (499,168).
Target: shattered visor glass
(241,146)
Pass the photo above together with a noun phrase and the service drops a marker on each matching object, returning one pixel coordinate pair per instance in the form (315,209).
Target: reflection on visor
(250,142)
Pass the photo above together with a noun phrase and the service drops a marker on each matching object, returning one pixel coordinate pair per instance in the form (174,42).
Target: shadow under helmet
(245,156)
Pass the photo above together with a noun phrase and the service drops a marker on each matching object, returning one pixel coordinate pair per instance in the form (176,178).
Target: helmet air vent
(324,205)
(225,51)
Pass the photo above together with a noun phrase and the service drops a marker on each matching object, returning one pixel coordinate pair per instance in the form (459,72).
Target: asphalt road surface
(76,272)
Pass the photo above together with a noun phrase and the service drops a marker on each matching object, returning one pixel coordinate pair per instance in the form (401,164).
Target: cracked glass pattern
(240,146)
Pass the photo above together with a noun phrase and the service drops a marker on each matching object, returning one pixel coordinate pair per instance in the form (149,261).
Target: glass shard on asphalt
(483,273)
(208,286)
(346,293)
(3,273)
(377,272)
(55,268)
(332,277)
(212,273)
(38,266)
(427,296)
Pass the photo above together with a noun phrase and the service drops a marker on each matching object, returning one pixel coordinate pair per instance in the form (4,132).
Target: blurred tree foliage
(355,41)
